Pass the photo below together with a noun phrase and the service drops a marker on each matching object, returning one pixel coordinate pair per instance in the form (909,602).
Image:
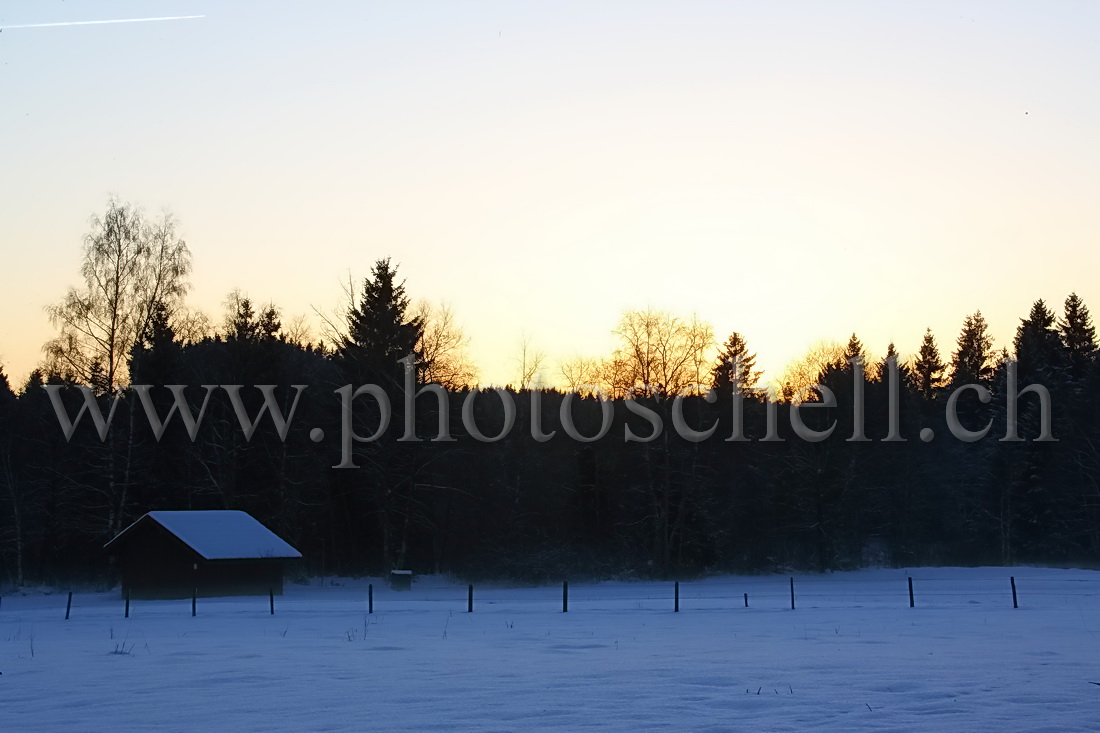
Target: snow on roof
(221,534)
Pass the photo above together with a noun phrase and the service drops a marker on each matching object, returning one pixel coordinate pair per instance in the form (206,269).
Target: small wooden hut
(173,554)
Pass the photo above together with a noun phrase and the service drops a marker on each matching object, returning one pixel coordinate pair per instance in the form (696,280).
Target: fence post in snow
(565,596)
(127,614)
(676,594)
(68,605)
(912,603)
(271,599)
(746,600)
(370,597)
(470,599)
(792,593)
(1012,580)
(194,602)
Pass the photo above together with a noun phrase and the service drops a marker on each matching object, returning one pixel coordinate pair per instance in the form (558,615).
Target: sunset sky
(793,171)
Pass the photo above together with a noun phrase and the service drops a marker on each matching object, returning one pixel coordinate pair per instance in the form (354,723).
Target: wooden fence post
(271,599)
(565,596)
(792,593)
(746,600)
(194,602)
(127,614)
(912,602)
(470,599)
(1012,580)
(370,597)
(68,605)
(676,592)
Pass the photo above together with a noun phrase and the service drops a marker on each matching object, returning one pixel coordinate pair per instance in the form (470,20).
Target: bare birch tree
(529,361)
(806,371)
(580,374)
(130,265)
(443,347)
(660,354)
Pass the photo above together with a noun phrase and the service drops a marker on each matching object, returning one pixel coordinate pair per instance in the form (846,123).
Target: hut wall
(155,564)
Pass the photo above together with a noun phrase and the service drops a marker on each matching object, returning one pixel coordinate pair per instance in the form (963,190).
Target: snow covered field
(852,656)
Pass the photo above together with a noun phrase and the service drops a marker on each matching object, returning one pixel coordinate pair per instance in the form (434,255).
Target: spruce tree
(156,352)
(928,368)
(241,319)
(269,324)
(1037,344)
(5,388)
(381,331)
(853,350)
(972,361)
(1078,335)
(735,362)
(905,375)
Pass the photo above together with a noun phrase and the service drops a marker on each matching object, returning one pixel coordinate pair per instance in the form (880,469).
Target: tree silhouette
(735,365)
(1038,345)
(854,350)
(1078,334)
(130,265)
(243,323)
(972,361)
(380,330)
(442,348)
(660,354)
(928,368)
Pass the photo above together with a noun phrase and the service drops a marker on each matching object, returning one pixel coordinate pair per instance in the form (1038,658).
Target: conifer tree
(156,350)
(853,350)
(1078,334)
(5,387)
(735,363)
(380,329)
(1037,344)
(928,368)
(243,323)
(905,376)
(972,361)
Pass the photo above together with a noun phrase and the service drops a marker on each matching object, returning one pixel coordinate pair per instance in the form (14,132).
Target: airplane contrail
(100,22)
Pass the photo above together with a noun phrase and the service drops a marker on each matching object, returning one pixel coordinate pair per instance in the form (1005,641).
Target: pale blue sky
(795,171)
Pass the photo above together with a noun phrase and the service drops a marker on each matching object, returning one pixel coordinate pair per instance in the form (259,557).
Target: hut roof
(216,534)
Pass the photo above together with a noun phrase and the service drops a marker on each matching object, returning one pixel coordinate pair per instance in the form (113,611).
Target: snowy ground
(853,656)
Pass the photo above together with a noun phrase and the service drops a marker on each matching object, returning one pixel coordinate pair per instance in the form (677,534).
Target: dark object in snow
(203,553)
(401,579)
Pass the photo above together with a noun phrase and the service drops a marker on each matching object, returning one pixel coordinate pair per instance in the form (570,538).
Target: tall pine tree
(735,362)
(853,350)
(380,329)
(1078,335)
(1038,346)
(928,368)
(972,361)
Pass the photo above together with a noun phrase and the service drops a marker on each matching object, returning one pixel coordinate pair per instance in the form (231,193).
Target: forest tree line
(523,508)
